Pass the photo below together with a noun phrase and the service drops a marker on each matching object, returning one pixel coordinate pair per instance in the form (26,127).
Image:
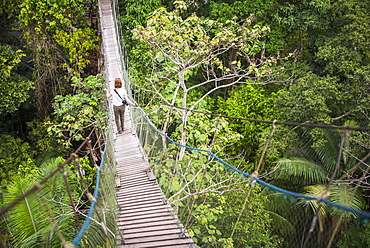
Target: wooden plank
(141,215)
(150,229)
(136,181)
(150,239)
(147,200)
(140,188)
(125,178)
(135,201)
(142,207)
(148,185)
(139,195)
(128,185)
(123,195)
(172,246)
(147,224)
(146,221)
(145,216)
(174,243)
(150,175)
(151,234)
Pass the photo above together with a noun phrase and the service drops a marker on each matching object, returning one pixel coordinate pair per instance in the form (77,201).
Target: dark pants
(119,116)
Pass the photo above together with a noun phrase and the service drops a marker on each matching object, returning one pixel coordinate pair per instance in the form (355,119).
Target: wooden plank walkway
(144,219)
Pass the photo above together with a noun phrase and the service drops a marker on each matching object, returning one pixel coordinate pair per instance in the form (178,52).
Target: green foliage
(301,14)
(179,47)
(248,101)
(182,49)
(42,15)
(209,200)
(14,89)
(16,158)
(136,12)
(39,137)
(205,132)
(79,44)
(203,231)
(332,37)
(214,217)
(9,6)
(63,21)
(300,171)
(35,221)
(346,51)
(280,144)
(309,99)
(340,194)
(356,235)
(243,9)
(254,227)
(61,41)
(76,114)
(313,162)
(345,54)
(309,175)
(133,13)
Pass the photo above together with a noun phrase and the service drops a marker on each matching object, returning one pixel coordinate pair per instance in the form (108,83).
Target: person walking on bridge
(119,107)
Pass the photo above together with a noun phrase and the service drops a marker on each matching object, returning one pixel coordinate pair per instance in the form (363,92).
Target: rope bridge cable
(264,121)
(86,223)
(38,185)
(364,214)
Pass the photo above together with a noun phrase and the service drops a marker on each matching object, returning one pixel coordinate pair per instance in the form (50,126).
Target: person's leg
(116,111)
(122,116)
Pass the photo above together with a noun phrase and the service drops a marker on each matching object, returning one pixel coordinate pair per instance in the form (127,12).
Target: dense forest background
(295,61)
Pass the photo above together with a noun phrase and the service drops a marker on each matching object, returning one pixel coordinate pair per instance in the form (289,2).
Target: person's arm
(108,95)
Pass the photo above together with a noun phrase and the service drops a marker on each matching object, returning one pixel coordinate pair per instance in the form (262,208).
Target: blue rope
(294,194)
(86,224)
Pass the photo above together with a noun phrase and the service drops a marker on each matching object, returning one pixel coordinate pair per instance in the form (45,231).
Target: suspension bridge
(145,220)
(128,208)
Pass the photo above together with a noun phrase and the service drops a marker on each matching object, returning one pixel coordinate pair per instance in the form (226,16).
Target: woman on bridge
(120,100)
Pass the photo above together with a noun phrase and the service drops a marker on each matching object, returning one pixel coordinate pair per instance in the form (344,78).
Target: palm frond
(30,222)
(304,149)
(299,171)
(345,195)
(281,224)
(328,153)
(314,191)
(22,218)
(278,202)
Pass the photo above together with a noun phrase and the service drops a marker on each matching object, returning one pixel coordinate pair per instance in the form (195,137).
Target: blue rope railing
(86,223)
(363,214)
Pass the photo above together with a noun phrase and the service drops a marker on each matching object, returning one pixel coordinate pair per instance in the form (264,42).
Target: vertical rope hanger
(326,191)
(362,161)
(255,174)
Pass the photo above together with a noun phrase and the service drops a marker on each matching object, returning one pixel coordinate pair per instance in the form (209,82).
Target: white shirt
(116,100)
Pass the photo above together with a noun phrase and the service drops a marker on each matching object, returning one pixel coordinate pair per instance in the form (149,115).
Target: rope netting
(223,206)
(50,207)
